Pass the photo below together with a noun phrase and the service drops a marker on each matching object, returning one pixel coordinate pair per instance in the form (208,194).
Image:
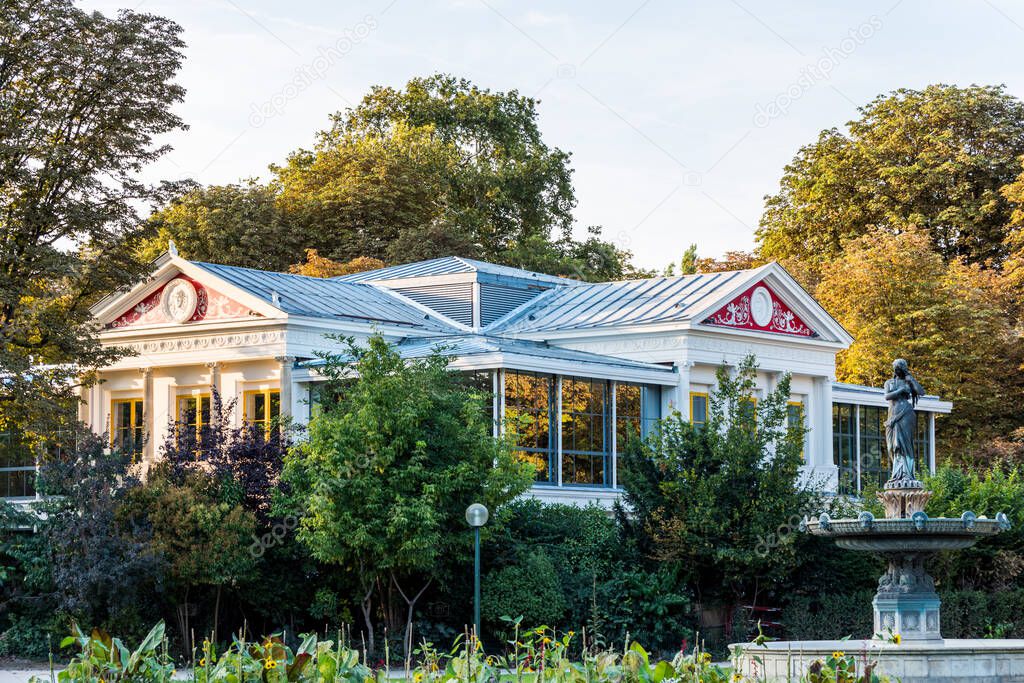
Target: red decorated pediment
(759,309)
(181,300)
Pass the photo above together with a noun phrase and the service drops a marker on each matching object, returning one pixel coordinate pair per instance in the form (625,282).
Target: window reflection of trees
(528,413)
(585,448)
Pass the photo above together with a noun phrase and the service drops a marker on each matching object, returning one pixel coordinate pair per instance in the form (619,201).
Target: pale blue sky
(679,116)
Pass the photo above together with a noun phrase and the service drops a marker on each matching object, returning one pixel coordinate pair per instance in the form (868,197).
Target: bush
(828,617)
(965,614)
(529,589)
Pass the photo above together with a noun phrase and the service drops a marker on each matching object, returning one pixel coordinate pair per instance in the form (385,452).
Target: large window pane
(844,446)
(874,460)
(17,467)
(586,453)
(627,414)
(529,403)
(922,445)
(126,428)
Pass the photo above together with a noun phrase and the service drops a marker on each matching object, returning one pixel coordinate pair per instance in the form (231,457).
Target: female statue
(902,392)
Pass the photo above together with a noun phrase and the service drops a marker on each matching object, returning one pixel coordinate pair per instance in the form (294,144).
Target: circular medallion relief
(761,306)
(179,300)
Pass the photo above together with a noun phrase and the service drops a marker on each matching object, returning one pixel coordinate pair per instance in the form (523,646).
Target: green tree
(237,224)
(935,158)
(201,531)
(83,98)
(710,500)
(898,298)
(388,470)
(437,168)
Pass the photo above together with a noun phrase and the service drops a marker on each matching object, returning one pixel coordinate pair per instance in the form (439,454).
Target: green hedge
(965,614)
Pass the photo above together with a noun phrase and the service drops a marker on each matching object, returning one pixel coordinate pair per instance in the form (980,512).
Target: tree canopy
(83,97)
(898,298)
(935,158)
(437,168)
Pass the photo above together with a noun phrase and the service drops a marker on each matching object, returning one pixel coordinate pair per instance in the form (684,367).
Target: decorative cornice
(200,343)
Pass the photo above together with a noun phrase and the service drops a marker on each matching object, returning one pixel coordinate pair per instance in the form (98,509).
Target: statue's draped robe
(900,428)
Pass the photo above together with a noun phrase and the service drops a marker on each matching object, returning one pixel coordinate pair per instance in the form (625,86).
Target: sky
(680,116)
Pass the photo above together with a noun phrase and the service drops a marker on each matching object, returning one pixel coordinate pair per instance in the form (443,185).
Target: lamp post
(476,515)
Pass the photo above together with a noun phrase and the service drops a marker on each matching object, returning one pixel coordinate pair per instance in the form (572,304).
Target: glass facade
(859,450)
(540,409)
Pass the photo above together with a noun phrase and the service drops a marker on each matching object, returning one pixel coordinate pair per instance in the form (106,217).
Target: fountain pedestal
(906,601)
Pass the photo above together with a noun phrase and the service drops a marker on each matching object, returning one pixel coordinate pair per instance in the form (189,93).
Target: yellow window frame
(267,394)
(198,398)
(136,410)
(707,405)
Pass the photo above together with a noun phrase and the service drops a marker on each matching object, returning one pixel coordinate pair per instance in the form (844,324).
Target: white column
(931,442)
(678,397)
(821,459)
(149,447)
(287,409)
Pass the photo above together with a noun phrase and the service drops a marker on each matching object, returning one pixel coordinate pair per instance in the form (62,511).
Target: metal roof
(468,345)
(323,298)
(863,394)
(450,265)
(629,302)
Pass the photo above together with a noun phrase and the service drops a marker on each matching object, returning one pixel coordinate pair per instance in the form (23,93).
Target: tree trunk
(186,641)
(216,612)
(366,604)
(411,605)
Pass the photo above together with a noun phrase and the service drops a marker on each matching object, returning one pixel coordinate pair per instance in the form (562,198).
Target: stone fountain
(906,604)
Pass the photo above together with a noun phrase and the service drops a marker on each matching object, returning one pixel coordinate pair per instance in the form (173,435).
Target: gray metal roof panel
(475,344)
(630,302)
(324,298)
(449,265)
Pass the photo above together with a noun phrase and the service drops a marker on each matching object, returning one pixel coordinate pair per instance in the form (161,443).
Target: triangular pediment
(179,293)
(772,302)
(760,308)
(181,300)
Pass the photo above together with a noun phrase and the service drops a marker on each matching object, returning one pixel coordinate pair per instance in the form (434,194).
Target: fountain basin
(939,661)
(919,534)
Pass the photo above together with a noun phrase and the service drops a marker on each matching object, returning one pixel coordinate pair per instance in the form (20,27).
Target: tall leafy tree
(83,97)
(437,168)
(386,475)
(935,158)
(898,298)
(710,500)
(239,224)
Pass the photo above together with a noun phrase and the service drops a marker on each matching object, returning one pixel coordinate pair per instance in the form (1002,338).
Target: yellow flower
(202,662)
(737,676)
(546,640)
(897,639)
(418,676)
(572,633)
(705,657)
(838,654)
(270,664)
